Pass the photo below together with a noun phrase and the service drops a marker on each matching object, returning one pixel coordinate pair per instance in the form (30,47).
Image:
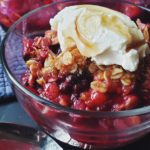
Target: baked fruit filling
(72,79)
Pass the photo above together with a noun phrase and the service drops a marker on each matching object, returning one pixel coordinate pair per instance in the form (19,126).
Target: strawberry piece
(52,91)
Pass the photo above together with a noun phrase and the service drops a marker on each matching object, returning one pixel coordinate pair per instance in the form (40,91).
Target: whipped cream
(106,36)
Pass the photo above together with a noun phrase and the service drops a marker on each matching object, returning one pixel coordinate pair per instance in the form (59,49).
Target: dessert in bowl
(84,77)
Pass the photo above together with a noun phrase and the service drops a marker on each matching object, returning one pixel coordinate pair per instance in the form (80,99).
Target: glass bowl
(89,130)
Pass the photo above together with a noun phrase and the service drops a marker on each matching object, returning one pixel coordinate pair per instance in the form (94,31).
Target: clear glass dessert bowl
(86,129)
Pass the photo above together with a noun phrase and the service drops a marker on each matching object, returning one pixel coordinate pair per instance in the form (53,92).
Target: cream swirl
(107,36)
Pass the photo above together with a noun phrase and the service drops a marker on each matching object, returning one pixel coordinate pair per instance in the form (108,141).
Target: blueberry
(79,76)
(61,78)
(87,75)
(72,78)
(65,87)
(76,88)
(84,85)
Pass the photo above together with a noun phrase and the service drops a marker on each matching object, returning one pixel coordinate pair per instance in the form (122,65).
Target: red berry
(64,100)
(85,95)
(65,87)
(131,101)
(126,90)
(27,43)
(52,91)
(42,55)
(79,104)
(114,87)
(97,99)
(131,10)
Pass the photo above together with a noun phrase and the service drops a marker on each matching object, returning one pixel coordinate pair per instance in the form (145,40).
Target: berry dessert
(93,58)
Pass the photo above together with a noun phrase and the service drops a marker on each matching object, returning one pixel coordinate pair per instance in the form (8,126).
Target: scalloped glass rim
(137,111)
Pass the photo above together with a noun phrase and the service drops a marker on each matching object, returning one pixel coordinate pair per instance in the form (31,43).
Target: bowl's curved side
(83,131)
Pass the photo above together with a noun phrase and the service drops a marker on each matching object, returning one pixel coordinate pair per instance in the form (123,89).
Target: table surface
(13,113)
